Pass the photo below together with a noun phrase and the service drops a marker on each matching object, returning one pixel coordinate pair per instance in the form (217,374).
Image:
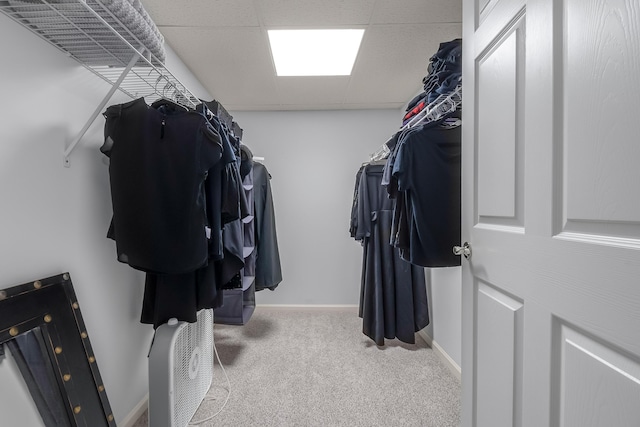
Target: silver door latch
(465,250)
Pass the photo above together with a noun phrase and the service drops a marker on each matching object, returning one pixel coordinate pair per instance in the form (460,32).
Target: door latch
(465,250)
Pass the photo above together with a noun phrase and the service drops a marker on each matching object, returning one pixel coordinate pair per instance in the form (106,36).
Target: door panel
(597,383)
(481,5)
(496,14)
(496,132)
(601,65)
(499,143)
(499,352)
(551,208)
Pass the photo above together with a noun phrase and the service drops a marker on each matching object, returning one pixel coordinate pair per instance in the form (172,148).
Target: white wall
(313,157)
(55,219)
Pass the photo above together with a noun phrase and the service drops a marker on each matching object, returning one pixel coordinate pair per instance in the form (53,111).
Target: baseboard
(451,364)
(135,413)
(314,307)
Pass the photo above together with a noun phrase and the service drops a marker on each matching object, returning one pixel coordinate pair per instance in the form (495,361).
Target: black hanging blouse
(159,158)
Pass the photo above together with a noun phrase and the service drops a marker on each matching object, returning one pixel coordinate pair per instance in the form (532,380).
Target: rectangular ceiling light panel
(314,52)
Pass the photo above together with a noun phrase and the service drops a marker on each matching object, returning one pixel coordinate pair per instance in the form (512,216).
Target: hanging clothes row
(422,175)
(422,171)
(176,188)
(406,205)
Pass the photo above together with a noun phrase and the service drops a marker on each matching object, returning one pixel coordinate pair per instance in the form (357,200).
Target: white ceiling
(225,44)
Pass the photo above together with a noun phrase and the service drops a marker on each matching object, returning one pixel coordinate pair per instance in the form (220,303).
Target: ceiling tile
(197,13)
(312,90)
(315,13)
(393,60)
(417,11)
(232,63)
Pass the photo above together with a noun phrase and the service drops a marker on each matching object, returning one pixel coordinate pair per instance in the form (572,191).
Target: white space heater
(180,370)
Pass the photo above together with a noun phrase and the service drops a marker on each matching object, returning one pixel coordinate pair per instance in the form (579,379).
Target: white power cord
(209,399)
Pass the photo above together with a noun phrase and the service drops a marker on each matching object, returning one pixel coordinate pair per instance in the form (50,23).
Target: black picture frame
(48,310)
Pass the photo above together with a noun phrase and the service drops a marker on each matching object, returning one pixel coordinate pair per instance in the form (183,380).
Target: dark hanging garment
(393,296)
(180,295)
(226,206)
(159,158)
(353,225)
(427,174)
(268,269)
(233,236)
(222,203)
(233,260)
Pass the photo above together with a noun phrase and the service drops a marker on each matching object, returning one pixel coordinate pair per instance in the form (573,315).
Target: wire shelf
(89,32)
(112,39)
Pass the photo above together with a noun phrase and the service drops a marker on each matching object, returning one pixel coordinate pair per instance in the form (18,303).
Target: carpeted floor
(315,368)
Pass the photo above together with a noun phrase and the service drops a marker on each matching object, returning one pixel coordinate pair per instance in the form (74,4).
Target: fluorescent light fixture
(314,52)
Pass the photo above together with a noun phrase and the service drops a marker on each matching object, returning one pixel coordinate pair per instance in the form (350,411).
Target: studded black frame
(50,306)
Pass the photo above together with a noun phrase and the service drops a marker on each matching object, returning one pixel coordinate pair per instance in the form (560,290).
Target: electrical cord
(209,399)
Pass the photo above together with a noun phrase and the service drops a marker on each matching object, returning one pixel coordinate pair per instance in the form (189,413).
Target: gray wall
(444,288)
(313,157)
(55,219)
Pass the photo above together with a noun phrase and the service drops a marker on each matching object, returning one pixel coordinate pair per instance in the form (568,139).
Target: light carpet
(315,367)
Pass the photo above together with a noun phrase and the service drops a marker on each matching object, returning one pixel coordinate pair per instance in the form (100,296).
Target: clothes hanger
(442,106)
(165,99)
(381,153)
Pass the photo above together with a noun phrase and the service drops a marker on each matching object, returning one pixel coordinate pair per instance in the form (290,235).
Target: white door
(551,209)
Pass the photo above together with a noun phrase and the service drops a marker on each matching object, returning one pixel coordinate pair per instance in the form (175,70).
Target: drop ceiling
(225,44)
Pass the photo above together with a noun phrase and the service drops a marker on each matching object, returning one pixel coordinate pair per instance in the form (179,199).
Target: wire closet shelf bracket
(89,32)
